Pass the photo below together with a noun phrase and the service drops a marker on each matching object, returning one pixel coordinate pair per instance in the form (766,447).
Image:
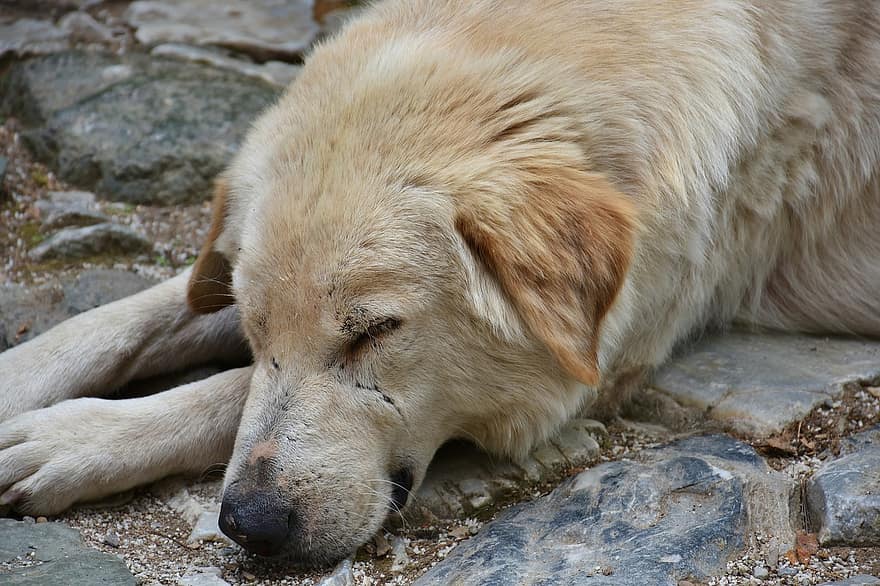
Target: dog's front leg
(84,449)
(97,352)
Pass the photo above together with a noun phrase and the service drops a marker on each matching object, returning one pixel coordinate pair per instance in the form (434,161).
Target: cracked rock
(680,512)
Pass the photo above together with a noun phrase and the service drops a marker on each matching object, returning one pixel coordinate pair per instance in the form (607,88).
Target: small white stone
(207,529)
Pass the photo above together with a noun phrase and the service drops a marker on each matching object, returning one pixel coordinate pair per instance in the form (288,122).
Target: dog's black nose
(258,521)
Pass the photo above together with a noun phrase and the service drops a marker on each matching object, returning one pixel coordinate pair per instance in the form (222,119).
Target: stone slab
(759,383)
(39,554)
(132,128)
(261,28)
(679,512)
(843,496)
(463,480)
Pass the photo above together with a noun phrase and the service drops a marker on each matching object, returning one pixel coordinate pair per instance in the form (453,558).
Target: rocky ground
(753,458)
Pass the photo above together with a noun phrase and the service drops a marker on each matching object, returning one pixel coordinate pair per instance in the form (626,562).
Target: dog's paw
(54,457)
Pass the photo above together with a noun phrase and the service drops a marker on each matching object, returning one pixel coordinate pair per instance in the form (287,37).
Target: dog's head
(421,257)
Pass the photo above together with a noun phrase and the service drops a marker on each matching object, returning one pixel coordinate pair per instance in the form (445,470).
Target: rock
(399,557)
(68,208)
(28,311)
(81,27)
(180,501)
(843,496)
(260,28)
(132,128)
(680,511)
(112,539)
(210,576)
(27,36)
(88,241)
(462,479)
(274,72)
(342,575)
(52,553)
(759,383)
(207,529)
(861,580)
(760,572)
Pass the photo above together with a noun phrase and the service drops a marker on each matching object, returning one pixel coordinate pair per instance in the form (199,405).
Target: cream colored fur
(544,195)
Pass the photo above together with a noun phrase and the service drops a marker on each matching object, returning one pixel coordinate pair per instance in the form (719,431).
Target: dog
(468,219)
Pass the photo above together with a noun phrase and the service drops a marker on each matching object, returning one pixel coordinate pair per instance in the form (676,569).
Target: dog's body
(463,219)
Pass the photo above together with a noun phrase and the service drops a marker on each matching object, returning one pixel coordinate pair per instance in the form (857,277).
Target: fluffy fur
(466,218)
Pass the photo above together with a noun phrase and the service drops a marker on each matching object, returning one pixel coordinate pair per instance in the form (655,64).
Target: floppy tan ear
(560,251)
(210,283)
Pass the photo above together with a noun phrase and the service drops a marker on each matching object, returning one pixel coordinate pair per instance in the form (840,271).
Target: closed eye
(374,334)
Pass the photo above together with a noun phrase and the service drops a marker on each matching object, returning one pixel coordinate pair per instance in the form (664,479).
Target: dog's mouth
(401,487)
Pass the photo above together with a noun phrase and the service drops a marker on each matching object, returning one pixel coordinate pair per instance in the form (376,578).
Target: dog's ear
(210,283)
(560,251)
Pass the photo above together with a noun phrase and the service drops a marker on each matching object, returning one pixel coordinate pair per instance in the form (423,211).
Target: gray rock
(342,575)
(843,496)
(275,72)
(261,28)
(28,311)
(132,128)
(112,539)
(27,36)
(89,241)
(52,553)
(209,576)
(759,383)
(399,557)
(462,479)
(68,208)
(81,27)
(861,580)
(681,511)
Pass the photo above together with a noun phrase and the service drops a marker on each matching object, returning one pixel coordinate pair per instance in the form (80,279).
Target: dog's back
(749,132)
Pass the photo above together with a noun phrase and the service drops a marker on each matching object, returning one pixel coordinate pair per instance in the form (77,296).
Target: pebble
(760,572)
(207,529)
(342,575)
(399,557)
(206,576)
(112,539)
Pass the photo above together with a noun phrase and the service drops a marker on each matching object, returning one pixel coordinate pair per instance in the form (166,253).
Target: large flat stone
(27,311)
(759,383)
(679,512)
(843,496)
(262,28)
(132,128)
(463,480)
(88,241)
(39,554)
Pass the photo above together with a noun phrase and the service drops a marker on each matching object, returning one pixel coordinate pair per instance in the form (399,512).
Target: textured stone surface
(263,28)
(88,241)
(462,480)
(28,311)
(274,72)
(758,383)
(40,554)
(861,580)
(28,36)
(843,496)
(132,128)
(679,512)
(209,576)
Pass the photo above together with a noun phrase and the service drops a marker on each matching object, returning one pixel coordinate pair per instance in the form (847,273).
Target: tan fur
(467,218)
